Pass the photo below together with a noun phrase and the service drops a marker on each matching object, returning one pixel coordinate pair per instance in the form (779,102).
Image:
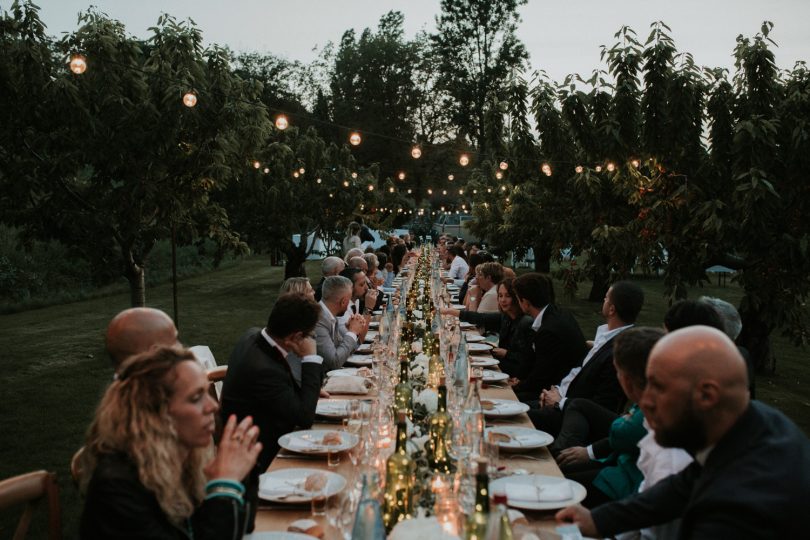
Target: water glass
(333,458)
(318,505)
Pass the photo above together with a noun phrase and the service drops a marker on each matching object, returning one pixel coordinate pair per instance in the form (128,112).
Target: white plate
(466,325)
(522,438)
(309,441)
(578,491)
(277,535)
(342,372)
(472,337)
(478,361)
(494,376)
(359,360)
(453,287)
(504,407)
(479,347)
(370,335)
(374,324)
(332,408)
(364,348)
(287,485)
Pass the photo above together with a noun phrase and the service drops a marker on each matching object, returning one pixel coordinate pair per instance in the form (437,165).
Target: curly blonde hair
(133,419)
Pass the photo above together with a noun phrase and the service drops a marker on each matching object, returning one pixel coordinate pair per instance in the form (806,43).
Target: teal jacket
(621,477)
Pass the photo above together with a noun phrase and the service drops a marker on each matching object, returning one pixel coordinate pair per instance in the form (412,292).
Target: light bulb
(78,63)
(416,152)
(355,138)
(464,160)
(281,122)
(579,169)
(189,99)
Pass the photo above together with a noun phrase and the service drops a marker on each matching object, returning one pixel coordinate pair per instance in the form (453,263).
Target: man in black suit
(260,383)
(596,378)
(751,474)
(558,342)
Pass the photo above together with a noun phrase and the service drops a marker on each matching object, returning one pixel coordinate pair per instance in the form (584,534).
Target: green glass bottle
(499,526)
(440,426)
(478,520)
(403,391)
(400,474)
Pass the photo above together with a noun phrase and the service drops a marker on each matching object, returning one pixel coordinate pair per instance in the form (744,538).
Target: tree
(476,42)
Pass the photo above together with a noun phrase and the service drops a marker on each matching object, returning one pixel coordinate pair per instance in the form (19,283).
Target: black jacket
(514,335)
(558,346)
(598,382)
(119,506)
(755,484)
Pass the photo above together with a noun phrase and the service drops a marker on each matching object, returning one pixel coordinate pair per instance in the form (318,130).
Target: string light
(302,170)
(409,191)
(266,170)
(295,174)
(416,152)
(190,99)
(430,191)
(78,63)
(503,187)
(503,165)
(354,175)
(498,175)
(331,196)
(461,192)
(391,190)
(598,168)
(318,181)
(579,169)
(635,163)
(401,175)
(475,191)
(370,187)
(256,164)
(444,192)
(451,177)
(489,190)
(611,167)
(346,183)
(546,168)
(355,138)
(281,122)
(464,160)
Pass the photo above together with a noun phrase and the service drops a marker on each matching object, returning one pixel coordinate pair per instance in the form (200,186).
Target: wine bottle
(440,426)
(478,520)
(499,527)
(403,391)
(400,473)
(368,522)
(472,414)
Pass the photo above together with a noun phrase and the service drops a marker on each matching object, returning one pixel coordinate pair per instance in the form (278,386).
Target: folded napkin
(351,384)
(332,406)
(279,487)
(556,492)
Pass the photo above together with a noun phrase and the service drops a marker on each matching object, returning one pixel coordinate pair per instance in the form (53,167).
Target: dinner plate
(360,360)
(554,486)
(287,485)
(309,441)
(364,348)
(277,535)
(374,324)
(494,376)
(342,372)
(478,361)
(453,287)
(479,347)
(472,337)
(370,335)
(503,407)
(521,438)
(466,325)
(332,408)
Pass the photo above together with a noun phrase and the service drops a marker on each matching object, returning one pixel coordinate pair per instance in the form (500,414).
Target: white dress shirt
(539,319)
(458,270)
(603,335)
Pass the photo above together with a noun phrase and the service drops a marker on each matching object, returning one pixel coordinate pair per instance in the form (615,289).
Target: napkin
(271,487)
(556,492)
(351,384)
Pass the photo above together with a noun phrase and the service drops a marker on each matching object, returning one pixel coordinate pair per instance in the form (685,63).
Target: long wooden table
(278,517)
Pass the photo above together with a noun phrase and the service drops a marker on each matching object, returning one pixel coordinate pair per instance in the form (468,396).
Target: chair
(29,489)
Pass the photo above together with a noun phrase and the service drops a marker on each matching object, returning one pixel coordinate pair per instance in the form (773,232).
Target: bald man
(751,474)
(137,330)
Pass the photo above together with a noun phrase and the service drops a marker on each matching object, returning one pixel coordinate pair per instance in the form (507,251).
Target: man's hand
(550,397)
(573,455)
(513,381)
(370,300)
(304,346)
(497,352)
(356,324)
(324,394)
(579,516)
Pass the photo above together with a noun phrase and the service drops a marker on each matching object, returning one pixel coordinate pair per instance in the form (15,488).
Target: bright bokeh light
(189,99)
(355,139)
(281,122)
(78,64)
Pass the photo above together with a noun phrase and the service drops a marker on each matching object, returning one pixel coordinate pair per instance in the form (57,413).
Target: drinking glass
(318,505)
(333,458)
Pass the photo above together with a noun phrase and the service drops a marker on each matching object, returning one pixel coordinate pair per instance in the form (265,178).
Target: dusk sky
(562,37)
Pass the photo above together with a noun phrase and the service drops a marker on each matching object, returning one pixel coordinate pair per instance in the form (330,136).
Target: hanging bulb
(461,192)
(370,187)
(190,99)
(598,168)
(416,152)
(430,191)
(401,175)
(318,181)
(295,174)
(354,175)
(301,170)
(503,165)
(409,191)
(498,175)
(345,183)
(390,190)
(611,167)
(450,177)
(281,122)
(256,164)
(579,169)
(635,163)
(546,168)
(464,160)
(355,138)
(78,63)
(266,170)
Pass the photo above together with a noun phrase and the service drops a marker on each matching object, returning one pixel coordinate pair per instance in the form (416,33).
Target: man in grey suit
(336,341)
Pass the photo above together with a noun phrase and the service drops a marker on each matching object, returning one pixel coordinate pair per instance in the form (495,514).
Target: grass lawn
(54,367)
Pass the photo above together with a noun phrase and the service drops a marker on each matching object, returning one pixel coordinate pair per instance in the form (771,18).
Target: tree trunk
(542,257)
(296,257)
(756,337)
(601,281)
(137,285)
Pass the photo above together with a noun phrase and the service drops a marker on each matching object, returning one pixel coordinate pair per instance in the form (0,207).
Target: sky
(562,37)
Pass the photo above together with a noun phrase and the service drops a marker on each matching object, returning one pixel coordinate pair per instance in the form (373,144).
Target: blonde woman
(149,469)
(298,285)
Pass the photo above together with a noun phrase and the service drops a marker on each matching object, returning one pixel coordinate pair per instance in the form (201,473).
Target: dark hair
(631,350)
(509,285)
(536,288)
(458,251)
(350,273)
(474,260)
(492,270)
(486,256)
(690,313)
(627,297)
(397,253)
(382,258)
(293,312)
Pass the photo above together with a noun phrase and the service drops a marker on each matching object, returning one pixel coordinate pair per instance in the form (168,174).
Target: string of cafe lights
(78,65)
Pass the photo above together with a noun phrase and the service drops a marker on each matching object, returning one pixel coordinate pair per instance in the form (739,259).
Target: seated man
(488,275)
(331,266)
(596,378)
(751,474)
(559,344)
(337,341)
(137,330)
(260,383)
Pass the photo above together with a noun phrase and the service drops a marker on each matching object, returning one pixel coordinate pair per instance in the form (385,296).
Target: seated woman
(488,275)
(514,329)
(297,285)
(149,469)
(607,467)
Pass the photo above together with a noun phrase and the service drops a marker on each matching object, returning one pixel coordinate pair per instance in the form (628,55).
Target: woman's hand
(237,452)
(573,455)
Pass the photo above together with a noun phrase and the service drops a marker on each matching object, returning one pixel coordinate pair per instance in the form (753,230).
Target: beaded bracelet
(233,484)
(224,491)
